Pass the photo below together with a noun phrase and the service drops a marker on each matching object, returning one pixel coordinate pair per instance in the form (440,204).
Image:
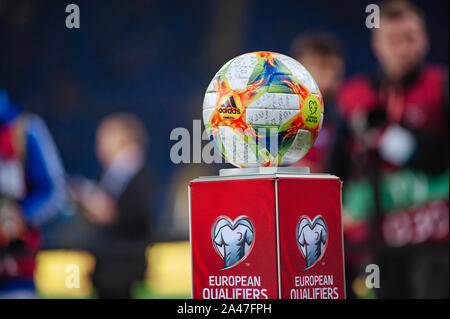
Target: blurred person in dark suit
(393,157)
(322,55)
(119,205)
(32,193)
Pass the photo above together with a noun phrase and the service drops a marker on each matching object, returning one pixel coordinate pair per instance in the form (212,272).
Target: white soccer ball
(263,109)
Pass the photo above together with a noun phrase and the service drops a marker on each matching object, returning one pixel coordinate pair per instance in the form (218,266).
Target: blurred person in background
(322,55)
(119,205)
(32,193)
(175,225)
(393,158)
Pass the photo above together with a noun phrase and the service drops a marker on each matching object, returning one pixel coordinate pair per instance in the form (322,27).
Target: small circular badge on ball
(311,111)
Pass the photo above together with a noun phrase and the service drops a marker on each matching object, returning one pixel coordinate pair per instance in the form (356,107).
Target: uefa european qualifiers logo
(312,239)
(233,240)
(309,114)
(313,106)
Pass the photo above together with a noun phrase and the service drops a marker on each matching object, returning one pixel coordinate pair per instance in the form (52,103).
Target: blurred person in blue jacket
(32,192)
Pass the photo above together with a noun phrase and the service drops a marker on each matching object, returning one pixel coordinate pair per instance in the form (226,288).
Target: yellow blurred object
(360,288)
(64,273)
(169,268)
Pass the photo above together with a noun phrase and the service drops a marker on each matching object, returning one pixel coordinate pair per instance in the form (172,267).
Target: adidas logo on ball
(229,107)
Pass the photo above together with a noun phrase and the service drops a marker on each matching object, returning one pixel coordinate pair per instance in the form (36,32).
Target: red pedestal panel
(266,237)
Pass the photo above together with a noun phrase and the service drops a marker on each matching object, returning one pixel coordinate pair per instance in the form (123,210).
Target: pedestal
(266,233)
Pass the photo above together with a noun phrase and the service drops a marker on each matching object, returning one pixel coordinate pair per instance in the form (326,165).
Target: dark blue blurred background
(156,58)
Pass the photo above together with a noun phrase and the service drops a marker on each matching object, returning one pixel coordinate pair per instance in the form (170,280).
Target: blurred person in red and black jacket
(32,194)
(322,55)
(392,154)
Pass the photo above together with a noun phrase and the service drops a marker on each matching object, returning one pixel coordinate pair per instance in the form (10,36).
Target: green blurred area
(398,190)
